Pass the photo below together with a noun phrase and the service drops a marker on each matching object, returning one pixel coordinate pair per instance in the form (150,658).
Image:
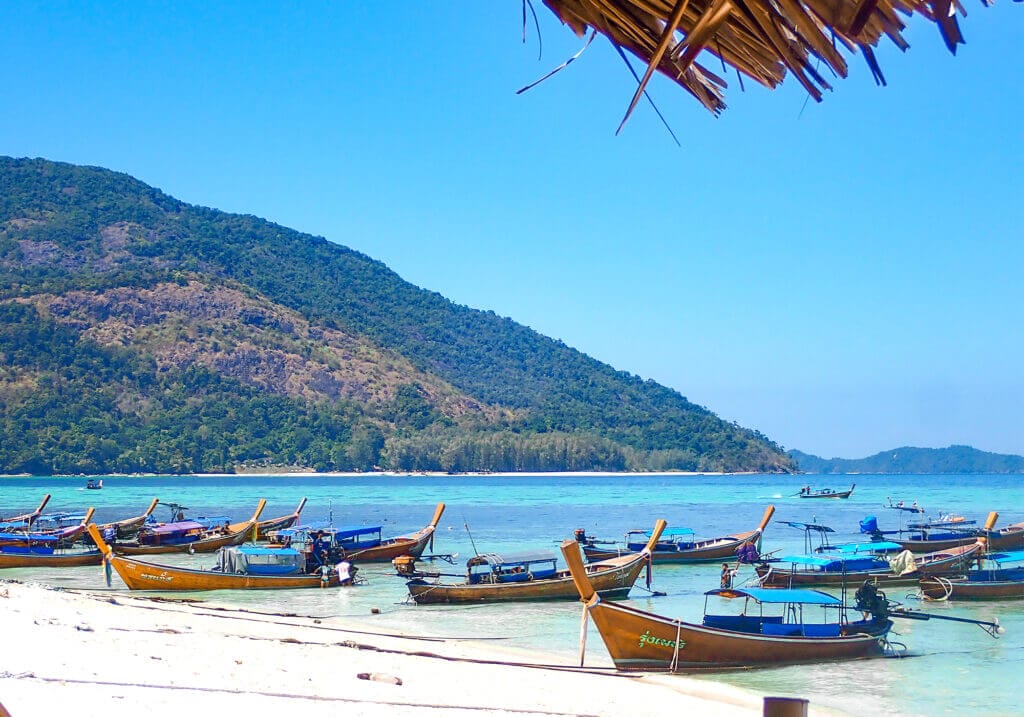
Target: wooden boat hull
(784,578)
(129,527)
(964,589)
(412,545)
(1009,538)
(638,640)
(949,562)
(52,560)
(265,527)
(65,537)
(237,534)
(28,517)
(930,546)
(835,494)
(206,545)
(704,551)
(611,582)
(138,575)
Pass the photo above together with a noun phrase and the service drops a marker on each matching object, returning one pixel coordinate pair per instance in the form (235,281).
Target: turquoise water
(955,668)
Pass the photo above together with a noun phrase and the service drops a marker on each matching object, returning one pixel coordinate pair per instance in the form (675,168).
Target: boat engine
(405,565)
(872,601)
(869,525)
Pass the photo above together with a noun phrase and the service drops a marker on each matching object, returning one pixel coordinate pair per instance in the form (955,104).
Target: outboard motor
(405,565)
(872,601)
(869,525)
(581,535)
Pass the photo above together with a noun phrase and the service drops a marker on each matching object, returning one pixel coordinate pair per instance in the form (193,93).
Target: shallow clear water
(955,667)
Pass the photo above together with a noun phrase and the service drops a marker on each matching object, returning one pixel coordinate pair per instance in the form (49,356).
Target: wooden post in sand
(785,707)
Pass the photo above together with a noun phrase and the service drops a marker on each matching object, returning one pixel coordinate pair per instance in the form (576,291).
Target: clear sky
(846,277)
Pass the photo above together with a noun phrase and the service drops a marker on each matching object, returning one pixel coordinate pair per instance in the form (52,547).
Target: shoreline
(393,474)
(112,653)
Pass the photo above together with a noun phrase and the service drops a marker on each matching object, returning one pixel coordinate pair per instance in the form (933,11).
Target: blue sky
(846,277)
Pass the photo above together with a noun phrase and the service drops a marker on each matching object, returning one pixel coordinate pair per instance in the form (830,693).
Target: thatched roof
(760,39)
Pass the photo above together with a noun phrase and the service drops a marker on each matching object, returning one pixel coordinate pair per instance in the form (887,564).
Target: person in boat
(727,575)
(321,545)
(226,528)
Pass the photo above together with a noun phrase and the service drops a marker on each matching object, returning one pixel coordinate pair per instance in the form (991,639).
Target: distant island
(951,460)
(141,334)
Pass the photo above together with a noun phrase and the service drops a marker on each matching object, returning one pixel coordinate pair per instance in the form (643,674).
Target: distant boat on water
(806,492)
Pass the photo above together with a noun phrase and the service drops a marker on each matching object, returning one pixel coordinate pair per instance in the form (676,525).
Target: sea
(949,668)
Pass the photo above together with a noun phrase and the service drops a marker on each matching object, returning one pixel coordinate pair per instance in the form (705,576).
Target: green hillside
(140,333)
(954,459)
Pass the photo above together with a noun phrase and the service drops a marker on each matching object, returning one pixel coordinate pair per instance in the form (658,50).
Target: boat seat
(822,630)
(739,623)
(770,628)
(811,630)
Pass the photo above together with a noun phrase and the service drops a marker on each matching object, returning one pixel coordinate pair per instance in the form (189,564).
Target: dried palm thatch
(761,39)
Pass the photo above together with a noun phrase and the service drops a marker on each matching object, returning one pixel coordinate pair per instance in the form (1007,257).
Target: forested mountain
(139,333)
(955,459)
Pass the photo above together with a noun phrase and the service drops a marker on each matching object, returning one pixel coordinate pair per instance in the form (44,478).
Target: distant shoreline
(385,474)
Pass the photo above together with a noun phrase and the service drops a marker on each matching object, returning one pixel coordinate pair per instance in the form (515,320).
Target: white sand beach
(115,654)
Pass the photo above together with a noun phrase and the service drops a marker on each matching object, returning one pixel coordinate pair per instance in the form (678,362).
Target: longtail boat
(533,576)
(943,533)
(189,537)
(28,517)
(840,569)
(1006,539)
(238,568)
(677,545)
(816,540)
(363,544)
(129,527)
(265,527)
(999,577)
(806,492)
(62,537)
(640,640)
(42,551)
(946,532)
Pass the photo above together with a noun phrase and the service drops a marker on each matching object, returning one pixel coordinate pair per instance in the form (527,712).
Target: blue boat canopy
(213,521)
(793,596)
(530,556)
(251,550)
(351,532)
(1007,557)
(34,537)
(875,547)
(666,533)
(819,560)
(17,525)
(809,526)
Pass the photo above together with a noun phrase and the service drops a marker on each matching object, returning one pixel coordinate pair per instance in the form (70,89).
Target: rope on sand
(607,671)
